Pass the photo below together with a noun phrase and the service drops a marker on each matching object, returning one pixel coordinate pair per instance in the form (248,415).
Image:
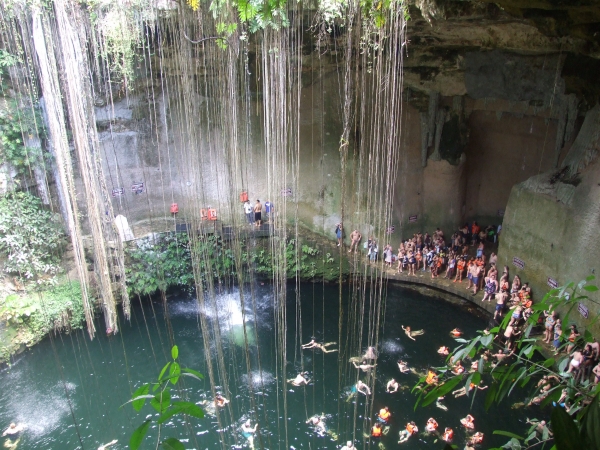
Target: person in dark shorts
(258,213)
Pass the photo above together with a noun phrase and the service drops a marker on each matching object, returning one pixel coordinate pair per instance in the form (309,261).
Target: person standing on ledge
(269,211)
(355,237)
(258,213)
(338,233)
(249,213)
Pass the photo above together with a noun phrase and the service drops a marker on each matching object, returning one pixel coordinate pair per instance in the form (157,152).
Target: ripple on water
(392,346)
(258,378)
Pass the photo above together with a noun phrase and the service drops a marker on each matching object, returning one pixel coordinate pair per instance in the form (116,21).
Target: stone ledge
(441,284)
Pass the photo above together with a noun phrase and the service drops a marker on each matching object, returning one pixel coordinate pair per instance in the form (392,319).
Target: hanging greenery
(31,238)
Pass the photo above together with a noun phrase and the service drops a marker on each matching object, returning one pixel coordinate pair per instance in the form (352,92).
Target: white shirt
(247,208)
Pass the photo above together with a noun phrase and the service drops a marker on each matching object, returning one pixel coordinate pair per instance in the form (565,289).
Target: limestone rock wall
(555,239)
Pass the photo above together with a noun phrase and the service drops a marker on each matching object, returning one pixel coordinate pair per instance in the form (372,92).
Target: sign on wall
(137,188)
(117,192)
(552,283)
(583,310)
(412,219)
(519,263)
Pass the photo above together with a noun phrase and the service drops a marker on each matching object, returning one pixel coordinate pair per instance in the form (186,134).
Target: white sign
(584,311)
(519,263)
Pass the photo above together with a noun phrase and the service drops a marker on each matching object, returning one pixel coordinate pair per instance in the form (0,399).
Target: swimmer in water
(392,386)
(322,347)
(221,401)
(370,353)
(468,422)
(439,404)
(444,351)
(318,423)
(105,446)
(13,429)
(403,366)
(363,388)
(300,380)
(410,333)
(456,333)
(14,435)
(364,366)
(431,426)
(349,446)
(248,432)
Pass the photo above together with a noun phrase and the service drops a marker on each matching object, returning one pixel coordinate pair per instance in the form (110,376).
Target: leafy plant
(162,401)
(158,263)
(576,428)
(58,308)
(15,123)
(31,238)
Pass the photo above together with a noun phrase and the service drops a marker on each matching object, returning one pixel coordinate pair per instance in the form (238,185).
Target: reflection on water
(100,376)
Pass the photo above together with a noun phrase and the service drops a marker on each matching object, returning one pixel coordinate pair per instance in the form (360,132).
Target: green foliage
(31,238)
(573,428)
(15,123)
(59,308)
(159,262)
(163,403)
(216,258)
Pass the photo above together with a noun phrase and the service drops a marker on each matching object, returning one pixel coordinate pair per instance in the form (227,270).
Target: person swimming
(248,432)
(444,351)
(221,401)
(322,347)
(392,386)
(411,428)
(318,424)
(431,426)
(105,446)
(363,366)
(411,334)
(300,380)
(13,429)
(403,366)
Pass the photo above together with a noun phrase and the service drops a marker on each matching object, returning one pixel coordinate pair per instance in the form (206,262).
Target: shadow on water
(100,375)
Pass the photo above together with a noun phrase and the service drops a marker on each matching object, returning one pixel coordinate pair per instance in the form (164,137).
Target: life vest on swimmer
(456,333)
(477,438)
(471,386)
(212,214)
(411,428)
(431,377)
(203,214)
(448,435)
(384,414)
(468,422)
(376,431)
(432,424)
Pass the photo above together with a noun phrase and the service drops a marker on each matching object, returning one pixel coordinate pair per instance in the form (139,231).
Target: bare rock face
(508,49)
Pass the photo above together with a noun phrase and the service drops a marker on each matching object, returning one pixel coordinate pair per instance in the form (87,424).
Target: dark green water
(68,390)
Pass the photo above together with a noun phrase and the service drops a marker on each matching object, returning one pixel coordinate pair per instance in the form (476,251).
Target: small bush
(31,238)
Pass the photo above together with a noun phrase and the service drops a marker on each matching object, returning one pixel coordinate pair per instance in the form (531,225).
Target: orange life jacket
(410,428)
(376,431)
(430,377)
(384,414)
(448,435)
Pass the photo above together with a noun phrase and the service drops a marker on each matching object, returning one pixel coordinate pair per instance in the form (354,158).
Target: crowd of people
(467,257)
(254,214)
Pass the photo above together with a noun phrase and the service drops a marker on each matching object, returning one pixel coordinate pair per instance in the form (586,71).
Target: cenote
(69,390)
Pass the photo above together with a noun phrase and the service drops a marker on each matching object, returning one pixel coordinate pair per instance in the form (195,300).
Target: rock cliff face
(495,93)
